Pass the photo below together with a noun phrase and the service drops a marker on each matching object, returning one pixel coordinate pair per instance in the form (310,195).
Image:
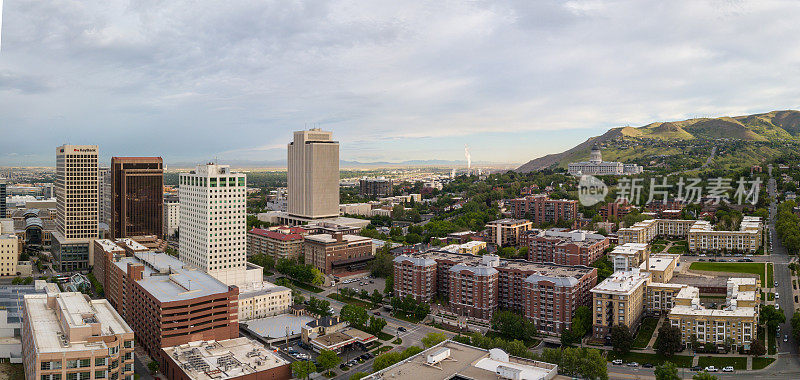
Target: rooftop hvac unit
(504,372)
(438,355)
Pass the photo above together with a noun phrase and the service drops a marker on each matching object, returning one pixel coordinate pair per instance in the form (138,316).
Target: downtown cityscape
(334,190)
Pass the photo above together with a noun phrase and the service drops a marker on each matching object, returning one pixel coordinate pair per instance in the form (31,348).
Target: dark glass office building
(137,201)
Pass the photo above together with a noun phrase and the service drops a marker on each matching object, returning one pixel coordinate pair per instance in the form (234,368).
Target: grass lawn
(678,249)
(754,268)
(722,362)
(645,332)
(382,350)
(660,242)
(761,363)
(771,343)
(384,336)
(770,296)
(770,281)
(528,343)
(303,285)
(352,301)
(405,317)
(12,371)
(656,248)
(376,347)
(654,359)
(398,341)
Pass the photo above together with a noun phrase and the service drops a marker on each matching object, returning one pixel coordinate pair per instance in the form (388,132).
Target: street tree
(621,339)
(668,341)
(328,359)
(303,368)
(433,339)
(704,376)
(667,371)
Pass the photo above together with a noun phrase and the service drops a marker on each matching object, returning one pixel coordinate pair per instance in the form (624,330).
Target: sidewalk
(652,341)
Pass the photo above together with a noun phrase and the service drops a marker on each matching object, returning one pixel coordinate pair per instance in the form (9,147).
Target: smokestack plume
(469,159)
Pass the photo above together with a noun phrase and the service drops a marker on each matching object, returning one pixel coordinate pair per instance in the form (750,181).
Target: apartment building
(562,246)
(542,209)
(9,249)
(77,206)
(619,300)
(338,253)
(660,297)
(615,210)
(703,237)
(375,187)
(647,230)
(169,303)
(171,222)
(70,336)
(737,320)
(280,244)
(471,247)
(627,256)
(508,232)
(661,266)
(546,293)
(700,234)
(264,300)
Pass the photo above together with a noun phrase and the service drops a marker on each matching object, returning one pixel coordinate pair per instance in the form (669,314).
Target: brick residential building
(615,209)
(280,244)
(477,286)
(508,232)
(543,209)
(375,187)
(565,247)
(336,253)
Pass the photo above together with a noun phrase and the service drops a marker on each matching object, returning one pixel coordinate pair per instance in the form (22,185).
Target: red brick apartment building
(167,303)
(561,246)
(476,286)
(337,253)
(543,209)
(615,209)
(280,244)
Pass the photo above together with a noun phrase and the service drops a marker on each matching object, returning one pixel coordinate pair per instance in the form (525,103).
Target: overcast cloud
(394,80)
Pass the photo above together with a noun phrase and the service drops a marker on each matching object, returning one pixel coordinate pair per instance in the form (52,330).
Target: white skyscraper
(77,206)
(313,175)
(213,205)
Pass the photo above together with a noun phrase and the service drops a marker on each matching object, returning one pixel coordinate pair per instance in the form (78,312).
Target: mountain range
(770,126)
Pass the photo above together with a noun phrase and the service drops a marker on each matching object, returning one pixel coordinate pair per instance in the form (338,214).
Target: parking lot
(363,283)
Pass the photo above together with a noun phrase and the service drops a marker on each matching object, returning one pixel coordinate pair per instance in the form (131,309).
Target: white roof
(622,282)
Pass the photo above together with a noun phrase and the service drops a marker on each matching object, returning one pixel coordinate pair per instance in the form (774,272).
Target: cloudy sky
(394,80)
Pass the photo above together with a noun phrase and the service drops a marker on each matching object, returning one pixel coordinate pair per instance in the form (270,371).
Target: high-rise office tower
(104,195)
(213,206)
(3,187)
(137,196)
(313,175)
(76,206)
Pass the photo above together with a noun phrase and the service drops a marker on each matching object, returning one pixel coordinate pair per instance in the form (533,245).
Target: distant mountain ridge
(345,163)
(770,126)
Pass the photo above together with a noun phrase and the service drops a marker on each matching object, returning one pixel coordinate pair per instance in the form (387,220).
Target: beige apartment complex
(9,249)
(699,233)
(508,232)
(313,175)
(629,255)
(69,336)
(619,300)
(738,320)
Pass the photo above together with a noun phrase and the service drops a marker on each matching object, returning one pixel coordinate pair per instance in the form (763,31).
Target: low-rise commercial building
(453,360)
(280,244)
(508,232)
(338,253)
(565,247)
(12,298)
(70,336)
(231,359)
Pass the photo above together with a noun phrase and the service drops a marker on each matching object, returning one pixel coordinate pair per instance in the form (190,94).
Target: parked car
(647,365)
(633,364)
(786,338)
(776,284)
(711,368)
(727,369)
(401,329)
(702,259)
(616,362)
(697,368)
(777,295)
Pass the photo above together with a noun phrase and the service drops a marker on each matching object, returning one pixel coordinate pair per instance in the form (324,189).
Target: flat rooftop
(509,222)
(277,326)
(543,269)
(660,262)
(78,312)
(622,282)
(224,359)
(169,279)
(453,360)
(327,238)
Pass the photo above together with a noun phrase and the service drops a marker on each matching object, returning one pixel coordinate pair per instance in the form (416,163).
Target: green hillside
(639,145)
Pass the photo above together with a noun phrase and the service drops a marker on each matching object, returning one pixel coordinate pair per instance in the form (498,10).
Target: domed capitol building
(596,166)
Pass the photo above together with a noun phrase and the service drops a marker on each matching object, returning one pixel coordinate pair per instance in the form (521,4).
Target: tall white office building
(213,206)
(313,175)
(77,206)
